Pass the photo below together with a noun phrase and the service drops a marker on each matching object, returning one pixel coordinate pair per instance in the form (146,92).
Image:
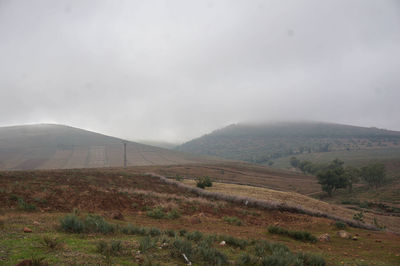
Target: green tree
(332,177)
(374,174)
(352,176)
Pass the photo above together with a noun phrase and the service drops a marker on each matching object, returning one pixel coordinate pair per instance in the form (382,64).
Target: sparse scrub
(92,224)
(22,205)
(298,235)
(233,220)
(340,225)
(170,233)
(154,232)
(173,214)
(211,255)
(181,246)
(233,241)
(146,243)
(203,182)
(50,243)
(359,216)
(245,259)
(194,236)
(156,213)
(182,232)
(112,248)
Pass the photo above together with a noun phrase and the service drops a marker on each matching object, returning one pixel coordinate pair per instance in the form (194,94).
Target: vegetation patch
(233,220)
(298,235)
(91,224)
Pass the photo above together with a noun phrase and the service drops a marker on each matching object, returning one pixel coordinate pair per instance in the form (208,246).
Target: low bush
(204,182)
(146,243)
(154,232)
(50,243)
(182,232)
(233,220)
(22,205)
(340,225)
(298,235)
(210,255)
(181,246)
(194,236)
(173,214)
(71,224)
(359,216)
(91,224)
(156,213)
(112,248)
(233,241)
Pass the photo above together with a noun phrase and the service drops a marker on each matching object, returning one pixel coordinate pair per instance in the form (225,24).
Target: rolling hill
(264,143)
(49,146)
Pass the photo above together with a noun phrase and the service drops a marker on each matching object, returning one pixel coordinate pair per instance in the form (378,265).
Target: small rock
(27,230)
(223,243)
(377,240)
(355,238)
(343,234)
(324,238)
(36,223)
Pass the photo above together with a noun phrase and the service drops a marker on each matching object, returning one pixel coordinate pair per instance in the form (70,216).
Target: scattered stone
(25,263)
(27,230)
(223,243)
(324,238)
(343,234)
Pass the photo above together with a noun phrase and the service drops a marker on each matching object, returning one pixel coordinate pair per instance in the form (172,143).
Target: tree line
(335,175)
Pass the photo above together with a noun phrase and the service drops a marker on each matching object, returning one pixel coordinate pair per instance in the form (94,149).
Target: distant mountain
(262,143)
(48,146)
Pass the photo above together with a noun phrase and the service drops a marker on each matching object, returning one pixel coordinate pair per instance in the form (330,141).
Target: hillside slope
(262,143)
(48,146)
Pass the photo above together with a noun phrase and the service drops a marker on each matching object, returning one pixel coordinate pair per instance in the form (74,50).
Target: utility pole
(124,154)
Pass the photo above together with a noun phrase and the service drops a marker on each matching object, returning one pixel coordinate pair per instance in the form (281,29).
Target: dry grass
(296,199)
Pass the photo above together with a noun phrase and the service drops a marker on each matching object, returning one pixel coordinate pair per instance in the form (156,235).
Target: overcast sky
(175,70)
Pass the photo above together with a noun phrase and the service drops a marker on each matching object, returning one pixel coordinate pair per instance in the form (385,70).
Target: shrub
(340,225)
(245,259)
(92,224)
(298,235)
(182,232)
(204,182)
(180,247)
(146,243)
(311,259)
(211,255)
(359,216)
(170,233)
(156,213)
(154,232)
(51,243)
(173,214)
(233,241)
(194,236)
(22,205)
(233,220)
(109,248)
(96,224)
(71,224)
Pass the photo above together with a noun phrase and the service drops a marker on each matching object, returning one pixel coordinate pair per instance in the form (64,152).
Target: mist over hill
(49,146)
(261,143)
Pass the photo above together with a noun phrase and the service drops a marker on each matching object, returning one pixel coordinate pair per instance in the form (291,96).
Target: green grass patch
(297,235)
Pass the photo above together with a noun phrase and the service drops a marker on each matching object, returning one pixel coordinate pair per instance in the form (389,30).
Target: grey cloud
(174,70)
